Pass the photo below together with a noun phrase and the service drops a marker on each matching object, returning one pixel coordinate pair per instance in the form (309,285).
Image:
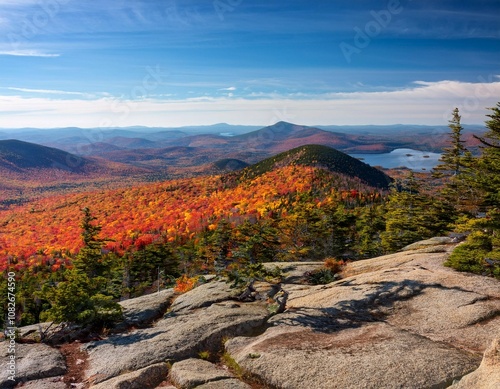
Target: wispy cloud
(421,103)
(47,91)
(29,53)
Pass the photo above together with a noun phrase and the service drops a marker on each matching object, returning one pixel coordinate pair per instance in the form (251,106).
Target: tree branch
(485,142)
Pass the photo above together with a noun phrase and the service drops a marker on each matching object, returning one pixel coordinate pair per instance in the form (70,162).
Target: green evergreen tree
(257,242)
(455,169)
(219,245)
(412,216)
(304,232)
(488,177)
(480,253)
(81,298)
(370,222)
(90,258)
(147,265)
(451,161)
(336,230)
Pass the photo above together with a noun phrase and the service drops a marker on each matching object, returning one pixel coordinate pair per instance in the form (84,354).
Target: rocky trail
(397,321)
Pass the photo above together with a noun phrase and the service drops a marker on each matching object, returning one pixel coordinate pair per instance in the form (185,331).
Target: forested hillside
(310,203)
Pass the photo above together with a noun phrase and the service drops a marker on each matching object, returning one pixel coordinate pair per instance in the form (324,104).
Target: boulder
(146,378)
(33,362)
(141,311)
(487,376)
(374,355)
(402,320)
(173,338)
(193,372)
(204,296)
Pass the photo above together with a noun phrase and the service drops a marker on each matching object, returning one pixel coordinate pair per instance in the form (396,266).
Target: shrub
(204,355)
(185,284)
(335,265)
(476,255)
(244,275)
(321,276)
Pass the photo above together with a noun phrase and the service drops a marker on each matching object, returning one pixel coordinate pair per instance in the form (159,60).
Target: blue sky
(185,62)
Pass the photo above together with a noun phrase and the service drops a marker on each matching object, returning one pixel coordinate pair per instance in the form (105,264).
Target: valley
(113,158)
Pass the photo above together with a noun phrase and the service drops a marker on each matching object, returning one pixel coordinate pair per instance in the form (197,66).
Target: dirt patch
(76,362)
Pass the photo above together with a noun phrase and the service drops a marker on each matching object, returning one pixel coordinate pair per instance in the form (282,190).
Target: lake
(413,159)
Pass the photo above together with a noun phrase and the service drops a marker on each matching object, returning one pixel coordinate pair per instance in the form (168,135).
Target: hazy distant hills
(18,155)
(175,152)
(275,138)
(29,171)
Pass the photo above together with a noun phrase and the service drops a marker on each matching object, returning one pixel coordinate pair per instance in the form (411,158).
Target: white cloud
(422,103)
(46,91)
(28,53)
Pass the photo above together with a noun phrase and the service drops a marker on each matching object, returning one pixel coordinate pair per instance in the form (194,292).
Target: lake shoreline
(416,160)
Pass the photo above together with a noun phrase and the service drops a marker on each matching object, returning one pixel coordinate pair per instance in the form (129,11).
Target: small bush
(335,265)
(256,271)
(321,276)
(328,273)
(204,355)
(476,255)
(185,284)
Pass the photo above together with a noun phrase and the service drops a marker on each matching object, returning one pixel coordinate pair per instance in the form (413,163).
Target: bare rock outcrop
(225,384)
(402,320)
(204,296)
(143,310)
(487,376)
(397,321)
(173,338)
(32,362)
(46,383)
(146,378)
(374,355)
(191,373)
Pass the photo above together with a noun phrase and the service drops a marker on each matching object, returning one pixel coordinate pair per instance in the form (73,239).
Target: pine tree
(454,169)
(452,157)
(489,162)
(90,258)
(219,245)
(481,251)
(370,223)
(257,242)
(412,215)
(81,298)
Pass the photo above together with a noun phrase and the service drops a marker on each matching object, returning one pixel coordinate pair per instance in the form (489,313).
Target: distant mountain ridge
(17,155)
(272,139)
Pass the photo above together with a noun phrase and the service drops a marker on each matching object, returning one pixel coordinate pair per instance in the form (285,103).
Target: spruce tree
(412,215)
(452,157)
(481,251)
(489,162)
(81,298)
(454,169)
(90,258)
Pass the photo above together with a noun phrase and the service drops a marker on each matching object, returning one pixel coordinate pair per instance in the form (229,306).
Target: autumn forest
(91,247)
